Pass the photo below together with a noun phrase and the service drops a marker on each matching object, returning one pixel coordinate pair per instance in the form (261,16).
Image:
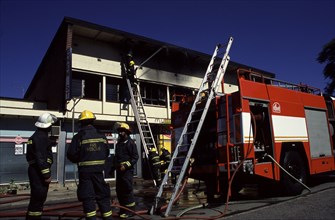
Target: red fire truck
(265,130)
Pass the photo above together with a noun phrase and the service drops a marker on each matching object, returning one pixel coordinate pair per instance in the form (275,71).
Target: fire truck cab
(266,128)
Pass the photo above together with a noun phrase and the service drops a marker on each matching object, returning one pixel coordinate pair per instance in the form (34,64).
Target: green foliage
(327,56)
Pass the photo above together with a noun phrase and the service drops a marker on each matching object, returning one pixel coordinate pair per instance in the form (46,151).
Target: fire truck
(265,130)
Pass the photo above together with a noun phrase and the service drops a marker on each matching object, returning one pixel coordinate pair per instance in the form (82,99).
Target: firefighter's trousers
(38,193)
(156,173)
(93,188)
(124,189)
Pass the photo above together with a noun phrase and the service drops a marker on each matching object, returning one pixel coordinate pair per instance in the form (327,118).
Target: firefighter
(126,156)
(128,72)
(39,158)
(155,165)
(89,149)
(130,68)
(165,158)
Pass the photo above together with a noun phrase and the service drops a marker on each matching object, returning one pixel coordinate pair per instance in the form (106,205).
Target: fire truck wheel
(293,164)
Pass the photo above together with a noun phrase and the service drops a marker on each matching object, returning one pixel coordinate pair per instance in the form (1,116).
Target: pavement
(191,204)
(144,191)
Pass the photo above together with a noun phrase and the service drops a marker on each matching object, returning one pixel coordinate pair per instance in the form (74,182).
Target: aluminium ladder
(181,157)
(142,122)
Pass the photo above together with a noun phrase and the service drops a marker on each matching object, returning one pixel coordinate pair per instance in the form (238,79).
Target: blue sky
(280,36)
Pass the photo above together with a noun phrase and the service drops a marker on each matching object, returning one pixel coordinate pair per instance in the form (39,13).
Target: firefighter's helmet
(45,120)
(153,150)
(86,115)
(121,126)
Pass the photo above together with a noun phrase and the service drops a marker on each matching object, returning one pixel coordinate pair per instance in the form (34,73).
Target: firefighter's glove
(122,167)
(47,181)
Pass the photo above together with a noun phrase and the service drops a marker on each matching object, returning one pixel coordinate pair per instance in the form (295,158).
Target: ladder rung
(193,122)
(175,171)
(197,111)
(183,148)
(188,133)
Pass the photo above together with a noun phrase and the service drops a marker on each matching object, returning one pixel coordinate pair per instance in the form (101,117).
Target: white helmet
(45,120)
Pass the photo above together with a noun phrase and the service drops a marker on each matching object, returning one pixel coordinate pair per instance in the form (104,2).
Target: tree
(327,55)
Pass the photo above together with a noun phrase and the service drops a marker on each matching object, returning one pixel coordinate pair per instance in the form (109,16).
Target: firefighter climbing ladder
(188,138)
(142,121)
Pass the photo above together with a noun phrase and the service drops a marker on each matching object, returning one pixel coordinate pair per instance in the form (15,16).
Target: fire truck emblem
(276,107)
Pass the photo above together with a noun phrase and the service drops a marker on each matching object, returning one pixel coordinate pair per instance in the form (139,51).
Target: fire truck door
(319,139)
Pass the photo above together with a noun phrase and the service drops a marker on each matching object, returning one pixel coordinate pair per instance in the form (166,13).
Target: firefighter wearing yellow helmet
(86,115)
(126,157)
(130,67)
(121,126)
(128,72)
(89,150)
(165,159)
(155,165)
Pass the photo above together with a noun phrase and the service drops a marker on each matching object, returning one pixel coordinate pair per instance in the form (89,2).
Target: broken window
(92,85)
(153,94)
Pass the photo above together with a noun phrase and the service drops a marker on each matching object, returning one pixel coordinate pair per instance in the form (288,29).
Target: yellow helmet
(153,149)
(121,126)
(86,115)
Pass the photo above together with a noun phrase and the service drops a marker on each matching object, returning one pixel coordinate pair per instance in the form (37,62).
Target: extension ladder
(143,125)
(182,154)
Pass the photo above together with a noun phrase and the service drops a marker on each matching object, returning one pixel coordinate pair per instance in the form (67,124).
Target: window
(92,85)
(113,89)
(178,93)
(153,94)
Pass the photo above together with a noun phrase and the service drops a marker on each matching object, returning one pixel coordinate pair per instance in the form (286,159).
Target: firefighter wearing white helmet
(126,156)
(89,150)
(39,157)
(45,120)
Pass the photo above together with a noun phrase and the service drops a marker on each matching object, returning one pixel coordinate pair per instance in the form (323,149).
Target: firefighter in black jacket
(155,165)
(126,156)
(165,158)
(128,72)
(130,68)
(39,157)
(89,149)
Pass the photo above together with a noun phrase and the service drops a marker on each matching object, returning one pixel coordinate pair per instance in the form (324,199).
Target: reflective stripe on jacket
(89,149)
(39,153)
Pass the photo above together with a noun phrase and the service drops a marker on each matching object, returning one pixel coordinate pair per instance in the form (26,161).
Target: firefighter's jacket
(125,154)
(89,149)
(39,153)
(165,157)
(154,159)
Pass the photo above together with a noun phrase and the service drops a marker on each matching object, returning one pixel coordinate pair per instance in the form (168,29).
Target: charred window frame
(177,93)
(153,94)
(92,83)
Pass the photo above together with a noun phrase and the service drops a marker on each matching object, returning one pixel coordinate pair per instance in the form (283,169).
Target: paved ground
(310,205)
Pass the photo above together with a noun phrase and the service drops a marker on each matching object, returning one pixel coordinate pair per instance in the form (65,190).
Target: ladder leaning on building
(182,154)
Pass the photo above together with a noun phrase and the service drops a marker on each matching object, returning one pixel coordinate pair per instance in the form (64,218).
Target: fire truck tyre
(293,164)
